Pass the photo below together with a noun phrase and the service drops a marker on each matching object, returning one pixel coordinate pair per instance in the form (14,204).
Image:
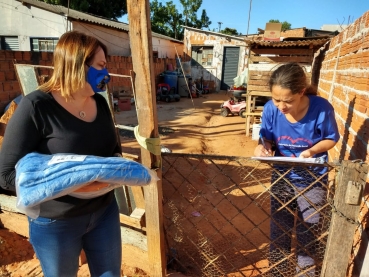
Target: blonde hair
(73,51)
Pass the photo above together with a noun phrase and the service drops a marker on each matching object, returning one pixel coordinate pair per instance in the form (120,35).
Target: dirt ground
(188,126)
(193,126)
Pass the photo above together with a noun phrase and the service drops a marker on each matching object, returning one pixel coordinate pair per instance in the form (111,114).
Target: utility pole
(220,25)
(248,21)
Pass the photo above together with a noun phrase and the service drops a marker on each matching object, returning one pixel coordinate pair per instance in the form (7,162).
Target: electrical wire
(29,13)
(101,38)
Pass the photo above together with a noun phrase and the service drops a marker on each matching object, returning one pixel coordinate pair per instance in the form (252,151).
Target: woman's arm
(21,137)
(94,186)
(321,146)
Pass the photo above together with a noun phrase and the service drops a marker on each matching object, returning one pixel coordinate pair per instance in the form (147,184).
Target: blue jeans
(308,228)
(58,243)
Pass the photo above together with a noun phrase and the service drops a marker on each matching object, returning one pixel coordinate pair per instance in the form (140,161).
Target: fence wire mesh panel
(231,216)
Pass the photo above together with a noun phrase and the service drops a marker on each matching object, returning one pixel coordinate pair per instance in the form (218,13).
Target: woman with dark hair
(66,115)
(297,123)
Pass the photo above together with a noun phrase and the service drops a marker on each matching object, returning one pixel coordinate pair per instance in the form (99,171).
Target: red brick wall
(344,80)
(300,32)
(10,88)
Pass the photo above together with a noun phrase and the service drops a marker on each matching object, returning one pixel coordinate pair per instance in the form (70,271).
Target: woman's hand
(306,154)
(260,151)
(94,186)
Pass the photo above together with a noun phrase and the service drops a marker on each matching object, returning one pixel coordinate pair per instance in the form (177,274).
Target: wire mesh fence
(231,216)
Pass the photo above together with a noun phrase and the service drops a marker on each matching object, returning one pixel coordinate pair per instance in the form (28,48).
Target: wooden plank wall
(281,55)
(258,79)
(263,60)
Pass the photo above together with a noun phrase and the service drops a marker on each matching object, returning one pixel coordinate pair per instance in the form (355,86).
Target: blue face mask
(98,78)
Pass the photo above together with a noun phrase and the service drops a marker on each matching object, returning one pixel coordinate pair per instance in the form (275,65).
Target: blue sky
(311,14)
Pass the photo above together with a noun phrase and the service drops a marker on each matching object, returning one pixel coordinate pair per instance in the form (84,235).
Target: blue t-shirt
(291,139)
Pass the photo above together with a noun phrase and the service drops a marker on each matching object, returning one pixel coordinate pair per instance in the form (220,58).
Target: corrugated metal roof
(77,15)
(301,42)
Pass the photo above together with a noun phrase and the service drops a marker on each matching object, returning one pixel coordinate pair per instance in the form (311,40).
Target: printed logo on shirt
(290,147)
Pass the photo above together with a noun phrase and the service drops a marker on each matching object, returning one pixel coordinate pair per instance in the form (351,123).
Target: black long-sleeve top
(40,124)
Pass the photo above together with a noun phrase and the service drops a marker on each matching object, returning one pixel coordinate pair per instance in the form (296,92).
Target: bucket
(255,131)
(170,67)
(171,80)
(124,104)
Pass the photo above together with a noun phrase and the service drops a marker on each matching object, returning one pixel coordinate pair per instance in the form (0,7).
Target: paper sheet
(319,160)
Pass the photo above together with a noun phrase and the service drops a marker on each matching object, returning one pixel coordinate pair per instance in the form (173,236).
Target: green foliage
(285,25)
(230,31)
(112,9)
(166,20)
(190,8)
(204,21)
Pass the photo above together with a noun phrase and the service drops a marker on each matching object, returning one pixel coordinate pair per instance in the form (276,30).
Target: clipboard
(319,160)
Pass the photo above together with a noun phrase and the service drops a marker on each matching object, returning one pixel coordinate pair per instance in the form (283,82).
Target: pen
(263,142)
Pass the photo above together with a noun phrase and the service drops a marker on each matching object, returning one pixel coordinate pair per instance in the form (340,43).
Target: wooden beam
(16,222)
(257,82)
(258,88)
(260,93)
(279,51)
(253,114)
(260,72)
(138,197)
(281,59)
(136,219)
(129,156)
(259,75)
(141,45)
(264,78)
(344,218)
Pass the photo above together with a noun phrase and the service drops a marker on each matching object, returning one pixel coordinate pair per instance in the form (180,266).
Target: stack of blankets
(42,177)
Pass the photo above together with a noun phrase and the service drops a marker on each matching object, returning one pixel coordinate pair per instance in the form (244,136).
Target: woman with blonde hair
(67,115)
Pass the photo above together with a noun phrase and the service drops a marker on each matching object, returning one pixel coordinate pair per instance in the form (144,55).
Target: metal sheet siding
(230,66)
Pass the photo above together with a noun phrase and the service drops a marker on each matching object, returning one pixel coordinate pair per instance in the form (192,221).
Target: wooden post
(141,47)
(350,185)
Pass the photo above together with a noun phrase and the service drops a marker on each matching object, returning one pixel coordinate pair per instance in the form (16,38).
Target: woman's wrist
(258,150)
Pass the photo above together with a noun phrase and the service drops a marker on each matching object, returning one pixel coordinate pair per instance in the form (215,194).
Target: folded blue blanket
(42,177)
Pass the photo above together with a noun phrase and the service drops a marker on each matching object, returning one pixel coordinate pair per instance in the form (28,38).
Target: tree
(166,20)
(175,22)
(285,25)
(190,8)
(229,31)
(112,9)
(204,21)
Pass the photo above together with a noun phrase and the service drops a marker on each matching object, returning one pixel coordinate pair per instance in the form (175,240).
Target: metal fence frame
(205,262)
